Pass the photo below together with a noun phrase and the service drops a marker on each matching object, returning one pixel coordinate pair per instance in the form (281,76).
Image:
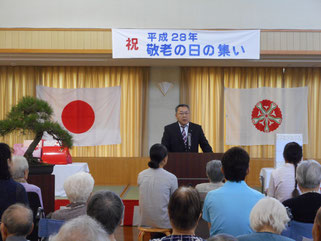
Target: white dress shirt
(282,182)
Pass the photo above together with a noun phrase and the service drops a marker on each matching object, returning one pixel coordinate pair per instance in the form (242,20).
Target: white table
(61,173)
(265,175)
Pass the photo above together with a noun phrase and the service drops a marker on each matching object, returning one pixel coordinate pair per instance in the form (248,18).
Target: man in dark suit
(183,135)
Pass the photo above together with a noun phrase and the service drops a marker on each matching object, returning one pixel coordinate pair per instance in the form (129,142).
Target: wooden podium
(190,168)
(46,182)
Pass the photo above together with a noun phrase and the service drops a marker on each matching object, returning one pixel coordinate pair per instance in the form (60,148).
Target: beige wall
(161,108)
(92,41)
(205,14)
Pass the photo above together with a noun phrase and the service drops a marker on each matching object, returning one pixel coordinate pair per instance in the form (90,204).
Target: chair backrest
(149,230)
(34,203)
(202,196)
(49,227)
(298,230)
(202,229)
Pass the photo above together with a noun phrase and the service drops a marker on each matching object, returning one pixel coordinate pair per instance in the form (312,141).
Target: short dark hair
(184,208)
(107,208)
(181,105)
(292,153)
(157,153)
(18,219)
(235,163)
(5,154)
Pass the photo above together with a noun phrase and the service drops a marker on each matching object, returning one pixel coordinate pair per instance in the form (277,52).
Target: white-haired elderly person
(20,172)
(215,177)
(83,228)
(268,219)
(305,206)
(78,188)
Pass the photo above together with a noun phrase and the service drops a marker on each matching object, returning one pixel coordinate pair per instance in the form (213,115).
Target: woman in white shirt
(156,186)
(283,184)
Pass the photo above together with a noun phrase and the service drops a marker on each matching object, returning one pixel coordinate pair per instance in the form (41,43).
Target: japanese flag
(255,116)
(91,115)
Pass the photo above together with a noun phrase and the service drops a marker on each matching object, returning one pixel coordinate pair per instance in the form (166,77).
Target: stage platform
(124,170)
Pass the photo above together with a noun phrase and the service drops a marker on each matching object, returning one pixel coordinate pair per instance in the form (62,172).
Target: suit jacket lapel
(191,128)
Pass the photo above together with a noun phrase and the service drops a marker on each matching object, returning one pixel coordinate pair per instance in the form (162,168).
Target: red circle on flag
(266,116)
(78,116)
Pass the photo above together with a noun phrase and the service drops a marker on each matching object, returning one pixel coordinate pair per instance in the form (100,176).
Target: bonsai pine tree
(32,114)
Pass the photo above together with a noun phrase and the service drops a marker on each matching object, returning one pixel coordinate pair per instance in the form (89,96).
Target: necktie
(184,135)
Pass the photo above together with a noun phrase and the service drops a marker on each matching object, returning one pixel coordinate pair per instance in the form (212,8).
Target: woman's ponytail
(153,164)
(295,192)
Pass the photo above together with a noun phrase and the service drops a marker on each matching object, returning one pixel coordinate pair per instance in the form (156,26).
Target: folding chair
(148,230)
(202,229)
(48,227)
(34,203)
(298,231)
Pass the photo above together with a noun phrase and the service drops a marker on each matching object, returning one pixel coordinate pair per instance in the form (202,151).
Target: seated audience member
(316,231)
(268,219)
(11,191)
(305,206)
(16,223)
(82,228)
(78,188)
(222,237)
(184,211)
(283,184)
(20,172)
(215,177)
(108,209)
(156,185)
(228,208)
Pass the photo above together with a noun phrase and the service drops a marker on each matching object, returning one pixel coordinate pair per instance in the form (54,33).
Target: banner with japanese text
(186,44)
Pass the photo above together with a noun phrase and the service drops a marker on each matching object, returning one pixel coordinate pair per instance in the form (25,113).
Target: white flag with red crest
(254,116)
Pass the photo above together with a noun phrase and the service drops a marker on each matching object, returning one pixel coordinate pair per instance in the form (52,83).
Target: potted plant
(32,114)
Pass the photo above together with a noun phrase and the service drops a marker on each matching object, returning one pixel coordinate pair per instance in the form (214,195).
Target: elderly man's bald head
(184,208)
(17,220)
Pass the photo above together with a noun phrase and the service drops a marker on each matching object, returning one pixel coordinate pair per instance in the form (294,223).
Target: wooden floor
(126,233)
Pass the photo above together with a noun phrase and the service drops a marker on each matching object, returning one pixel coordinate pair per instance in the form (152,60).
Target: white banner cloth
(254,116)
(62,172)
(91,115)
(185,44)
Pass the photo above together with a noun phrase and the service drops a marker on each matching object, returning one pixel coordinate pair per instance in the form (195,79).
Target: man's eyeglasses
(183,113)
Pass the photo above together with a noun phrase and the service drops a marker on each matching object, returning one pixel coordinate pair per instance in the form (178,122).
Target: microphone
(189,141)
